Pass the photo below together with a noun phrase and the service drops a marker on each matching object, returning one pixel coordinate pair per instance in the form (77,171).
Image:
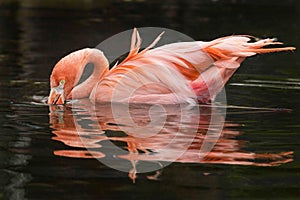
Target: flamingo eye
(62,82)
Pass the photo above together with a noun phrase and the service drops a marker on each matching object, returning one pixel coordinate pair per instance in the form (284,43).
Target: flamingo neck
(101,67)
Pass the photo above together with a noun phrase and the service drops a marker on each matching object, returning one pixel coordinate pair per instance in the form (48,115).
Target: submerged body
(183,72)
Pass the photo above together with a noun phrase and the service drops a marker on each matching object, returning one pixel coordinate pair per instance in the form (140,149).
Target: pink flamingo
(182,72)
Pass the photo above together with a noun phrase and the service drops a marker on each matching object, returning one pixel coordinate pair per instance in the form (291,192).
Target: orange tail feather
(270,50)
(239,46)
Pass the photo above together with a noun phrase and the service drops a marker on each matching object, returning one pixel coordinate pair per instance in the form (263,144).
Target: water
(42,155)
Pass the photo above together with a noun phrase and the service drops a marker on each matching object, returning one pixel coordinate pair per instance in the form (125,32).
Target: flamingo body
(184,72)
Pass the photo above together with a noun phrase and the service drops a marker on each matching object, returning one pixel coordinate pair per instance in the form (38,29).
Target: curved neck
(101,67)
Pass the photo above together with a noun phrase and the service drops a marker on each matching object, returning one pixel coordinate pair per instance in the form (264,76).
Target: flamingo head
(65,76)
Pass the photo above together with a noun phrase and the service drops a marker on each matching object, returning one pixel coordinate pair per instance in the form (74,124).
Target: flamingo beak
(56,96)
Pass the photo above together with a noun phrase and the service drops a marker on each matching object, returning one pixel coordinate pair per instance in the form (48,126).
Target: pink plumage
(184,72)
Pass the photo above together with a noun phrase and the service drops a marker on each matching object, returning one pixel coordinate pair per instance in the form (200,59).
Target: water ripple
(88,129)
(291,84)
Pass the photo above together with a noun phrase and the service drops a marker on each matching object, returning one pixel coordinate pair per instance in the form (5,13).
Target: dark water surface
(41,151)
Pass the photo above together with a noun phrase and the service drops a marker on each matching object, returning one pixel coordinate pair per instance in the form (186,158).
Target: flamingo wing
(160,75)
(177,72)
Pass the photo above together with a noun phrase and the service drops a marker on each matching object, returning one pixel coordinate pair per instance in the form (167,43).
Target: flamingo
(183,72)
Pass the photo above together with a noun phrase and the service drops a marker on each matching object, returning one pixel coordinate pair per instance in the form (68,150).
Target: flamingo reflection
(174,133)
